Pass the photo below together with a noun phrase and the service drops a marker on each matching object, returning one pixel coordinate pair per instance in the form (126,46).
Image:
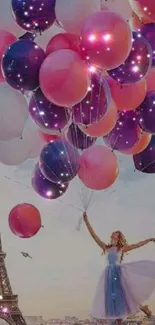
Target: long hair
(120,243)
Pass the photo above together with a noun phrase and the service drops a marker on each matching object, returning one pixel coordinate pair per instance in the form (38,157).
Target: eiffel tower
(9,310)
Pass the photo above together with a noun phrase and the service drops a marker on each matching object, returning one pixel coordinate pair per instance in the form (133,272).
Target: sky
(61,278)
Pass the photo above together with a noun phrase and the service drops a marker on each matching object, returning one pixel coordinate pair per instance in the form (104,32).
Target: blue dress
(122,288)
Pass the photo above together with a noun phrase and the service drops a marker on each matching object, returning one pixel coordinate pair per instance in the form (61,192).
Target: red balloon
(144,8)
(49,137)
(64,78)
(106,39)
(63,41)
(6,39)
(24,220)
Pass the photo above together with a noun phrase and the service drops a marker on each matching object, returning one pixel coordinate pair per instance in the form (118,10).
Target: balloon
(34,15)
(32,138)
(95,105)
(24,220)
(13,113)
(6,39)
(102,36)
(78,139)
(21,64)
(14,152)
(148,31)
(72,14)
(150,79)
(63,41)
(127,96)
(49,137)
(142,143)
(146,113)
(47,115)
(98,168)
(28,36)
(7,21)
(46,188)
(61,72)
(143,8)
(117,6)
(137,22)
(59,161)
(137,64)
(125,133)
(145,160)
(104,126)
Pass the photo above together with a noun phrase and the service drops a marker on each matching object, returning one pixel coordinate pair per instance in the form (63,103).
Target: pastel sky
(61,278)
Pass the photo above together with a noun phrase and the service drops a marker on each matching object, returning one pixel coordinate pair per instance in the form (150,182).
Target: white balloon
(14,152)
(13,113)
(32,136)
(7,22)
(72,13)
(121,7)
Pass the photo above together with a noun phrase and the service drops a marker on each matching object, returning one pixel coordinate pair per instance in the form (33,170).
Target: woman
(122,288)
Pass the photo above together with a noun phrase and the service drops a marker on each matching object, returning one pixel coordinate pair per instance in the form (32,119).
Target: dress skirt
(122,289)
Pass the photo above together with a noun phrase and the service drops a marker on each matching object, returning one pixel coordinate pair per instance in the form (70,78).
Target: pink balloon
(63,41)
(106,39)
(104,126)
(6,39)
(144,8)
(64,78)
(150,80)
(136,22)
(98,168)
(127,97)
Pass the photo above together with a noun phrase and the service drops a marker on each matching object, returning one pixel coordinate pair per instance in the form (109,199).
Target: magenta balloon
(125,133)
(95,105)
(137,64)
(78,139)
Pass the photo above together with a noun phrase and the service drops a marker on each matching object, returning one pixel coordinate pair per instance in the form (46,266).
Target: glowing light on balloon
(46,188)
(98,168)
(144,140)
(63,41)
(145,160)
(95,105)
(6,39)
(59,161)
(62,71)
(34,15)
(137,64)
(78,139)
(135,93)
(46,114)
(21,64)
(148,31)
(143,8)
(24,220)
(104,126)
(102,36)
(125,133)
(146,113)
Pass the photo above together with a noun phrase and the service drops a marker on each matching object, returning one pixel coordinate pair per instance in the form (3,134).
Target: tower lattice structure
(9,310)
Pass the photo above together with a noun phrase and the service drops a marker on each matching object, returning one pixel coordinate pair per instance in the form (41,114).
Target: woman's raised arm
(93,234)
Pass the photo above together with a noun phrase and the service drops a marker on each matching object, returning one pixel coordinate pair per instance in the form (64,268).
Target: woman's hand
(152,239)
(85,216)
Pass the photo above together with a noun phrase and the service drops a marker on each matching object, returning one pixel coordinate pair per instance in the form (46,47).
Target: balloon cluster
(82,87)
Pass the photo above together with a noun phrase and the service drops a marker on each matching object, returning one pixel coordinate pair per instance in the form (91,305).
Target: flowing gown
(122,288)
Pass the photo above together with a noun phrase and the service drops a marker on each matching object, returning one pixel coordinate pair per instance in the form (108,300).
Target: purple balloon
(59,161)
(146,113)
(78,139)
(34,15)
(137,64)
(145,160)
(95,105)
(47,115)
(148,31)
(125,133)
(28,36)
(21,64)
(45,188)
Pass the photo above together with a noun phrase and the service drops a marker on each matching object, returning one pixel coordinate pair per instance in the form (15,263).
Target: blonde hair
(120,243)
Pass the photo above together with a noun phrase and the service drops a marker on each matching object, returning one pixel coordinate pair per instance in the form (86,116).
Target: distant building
(34,320)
